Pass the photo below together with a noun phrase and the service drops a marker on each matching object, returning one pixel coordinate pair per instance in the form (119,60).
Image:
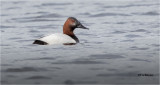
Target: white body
(57,38)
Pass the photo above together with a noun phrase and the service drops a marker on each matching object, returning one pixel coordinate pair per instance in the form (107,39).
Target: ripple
(49,16)
(42,27)
(38,77)
(137,59)
(40,12)
(132,36)
(24,69)
(55,4)
(34,31)
(105,56)
(96,68)
(98,42)
(18,2)
(130,66)
(41,18)
(3,15)
(33,19)
(112,69)
(51,4)
(45,58)
(11,76)
(86,82)
(3,26)
(5,45)
(79,61)
(15,38)
(130,5)
(151,13)
(24,41)
(5,64)
(121,22)
(86,13)
(109,14)
(3,81)
(126,74)
(155,45)
(57,68)
(69,82)
(127,41)
(140,30)
(155,25)
(13,8)
(137,48)
(118,32)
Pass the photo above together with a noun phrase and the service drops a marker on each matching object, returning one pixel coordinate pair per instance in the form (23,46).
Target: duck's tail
(40,42)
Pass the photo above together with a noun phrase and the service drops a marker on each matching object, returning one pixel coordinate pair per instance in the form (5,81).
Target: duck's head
(72,23)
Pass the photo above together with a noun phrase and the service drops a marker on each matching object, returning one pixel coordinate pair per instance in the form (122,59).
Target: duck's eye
(73,22)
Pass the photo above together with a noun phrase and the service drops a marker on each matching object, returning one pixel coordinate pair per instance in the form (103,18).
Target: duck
(67,37)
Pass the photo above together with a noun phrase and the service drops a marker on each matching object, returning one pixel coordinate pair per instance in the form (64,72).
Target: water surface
(121,45)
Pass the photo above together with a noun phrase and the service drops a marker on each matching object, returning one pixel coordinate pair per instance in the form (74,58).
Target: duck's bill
(81,26)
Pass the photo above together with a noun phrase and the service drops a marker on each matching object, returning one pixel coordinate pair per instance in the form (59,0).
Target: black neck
(75,38)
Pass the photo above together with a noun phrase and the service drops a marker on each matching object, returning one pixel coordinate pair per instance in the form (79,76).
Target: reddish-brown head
(70,24)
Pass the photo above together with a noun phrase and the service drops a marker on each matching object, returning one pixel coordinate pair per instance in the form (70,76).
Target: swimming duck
(66,38)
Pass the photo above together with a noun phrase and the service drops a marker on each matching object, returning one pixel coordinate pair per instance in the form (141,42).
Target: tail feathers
(40,42)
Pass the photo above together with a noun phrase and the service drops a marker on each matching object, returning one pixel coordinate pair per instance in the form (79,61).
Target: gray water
(121,46)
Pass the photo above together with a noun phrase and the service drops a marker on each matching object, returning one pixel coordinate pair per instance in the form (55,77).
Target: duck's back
(56,38)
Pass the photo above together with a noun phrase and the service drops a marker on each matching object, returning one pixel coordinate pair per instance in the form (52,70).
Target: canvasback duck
(67,38)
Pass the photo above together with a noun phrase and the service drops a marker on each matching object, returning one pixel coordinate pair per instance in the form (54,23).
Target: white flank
(57,38)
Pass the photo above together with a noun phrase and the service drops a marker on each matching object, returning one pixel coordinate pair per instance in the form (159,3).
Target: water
(121,45)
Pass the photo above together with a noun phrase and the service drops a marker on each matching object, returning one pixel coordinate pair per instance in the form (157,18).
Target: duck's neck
(69,31)
(74,37)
